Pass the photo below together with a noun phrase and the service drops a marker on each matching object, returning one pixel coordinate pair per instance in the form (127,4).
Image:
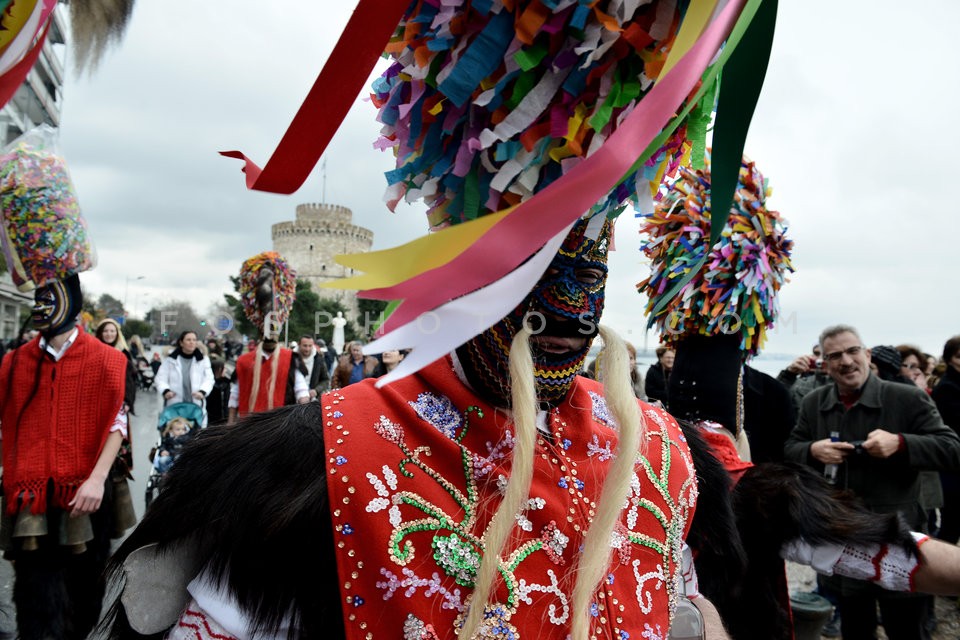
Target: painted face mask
(56,306)
(563,311)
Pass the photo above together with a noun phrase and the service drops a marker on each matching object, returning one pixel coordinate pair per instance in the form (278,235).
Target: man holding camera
(888,432)
(803,375)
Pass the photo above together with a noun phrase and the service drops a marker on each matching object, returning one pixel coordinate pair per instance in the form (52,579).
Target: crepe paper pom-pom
(488,102)
(284,286)
(44,237)
(736,290)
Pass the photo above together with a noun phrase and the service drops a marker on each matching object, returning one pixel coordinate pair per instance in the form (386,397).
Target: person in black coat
(768,415)
(329,357)
(658,375)
(219,396)
(109,332)
(947,397)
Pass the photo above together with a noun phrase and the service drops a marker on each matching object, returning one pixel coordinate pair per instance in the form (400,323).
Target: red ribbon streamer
(340,81)
(12,79)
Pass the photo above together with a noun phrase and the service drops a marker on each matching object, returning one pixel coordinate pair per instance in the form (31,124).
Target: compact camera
(858,449)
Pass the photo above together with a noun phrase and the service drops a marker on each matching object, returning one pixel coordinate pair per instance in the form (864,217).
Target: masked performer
(491,492)
(61,406)
(268,376)
(63,423)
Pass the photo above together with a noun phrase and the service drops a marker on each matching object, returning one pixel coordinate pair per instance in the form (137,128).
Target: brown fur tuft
(95,24)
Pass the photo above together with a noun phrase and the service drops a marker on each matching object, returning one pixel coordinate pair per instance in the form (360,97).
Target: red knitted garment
(415,471)
(245,381)
(61,431)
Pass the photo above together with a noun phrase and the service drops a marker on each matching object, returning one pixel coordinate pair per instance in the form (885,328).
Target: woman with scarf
(185,375)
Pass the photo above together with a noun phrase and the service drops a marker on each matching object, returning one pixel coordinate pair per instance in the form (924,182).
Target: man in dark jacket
(885,433)
(803,375)
(314,366)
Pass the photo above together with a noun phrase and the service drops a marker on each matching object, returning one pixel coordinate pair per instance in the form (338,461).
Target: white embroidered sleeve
(120,422)
(888,566)
(690,581)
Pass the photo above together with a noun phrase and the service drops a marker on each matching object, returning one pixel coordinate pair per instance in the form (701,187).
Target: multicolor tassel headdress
(43,234)
(512,120)
(735,291)
(486,106)
(268,285)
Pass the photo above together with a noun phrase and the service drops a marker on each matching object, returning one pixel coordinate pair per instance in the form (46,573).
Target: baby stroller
(186,412)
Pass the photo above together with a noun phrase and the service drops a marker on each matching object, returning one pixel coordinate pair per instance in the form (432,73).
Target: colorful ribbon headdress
(268,285)
(537,110)
(735,290)
(43,234)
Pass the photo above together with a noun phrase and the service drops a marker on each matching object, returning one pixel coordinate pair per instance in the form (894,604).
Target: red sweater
(56,418)
(245,365)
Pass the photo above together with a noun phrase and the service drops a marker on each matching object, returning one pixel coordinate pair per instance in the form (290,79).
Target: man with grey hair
(873,437)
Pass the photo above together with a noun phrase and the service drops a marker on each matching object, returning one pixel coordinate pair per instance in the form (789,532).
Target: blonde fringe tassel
(274,365)
(524,398)
(257,371)
(595,560)
(255,389)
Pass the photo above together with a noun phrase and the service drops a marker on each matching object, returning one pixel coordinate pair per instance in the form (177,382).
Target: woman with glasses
(912,365)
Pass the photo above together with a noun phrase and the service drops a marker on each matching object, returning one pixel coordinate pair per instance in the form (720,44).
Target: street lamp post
(126,289)
(136,304)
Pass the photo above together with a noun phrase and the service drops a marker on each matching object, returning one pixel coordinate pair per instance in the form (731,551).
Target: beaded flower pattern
(456,528)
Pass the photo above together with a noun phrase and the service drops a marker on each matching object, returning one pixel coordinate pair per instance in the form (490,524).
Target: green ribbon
(530,57)
(738,99)
(746,54)
(698,124)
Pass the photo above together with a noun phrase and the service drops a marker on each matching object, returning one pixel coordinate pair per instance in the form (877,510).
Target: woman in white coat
(185,375)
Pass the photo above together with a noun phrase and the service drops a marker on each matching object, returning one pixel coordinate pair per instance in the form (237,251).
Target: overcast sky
(856,129)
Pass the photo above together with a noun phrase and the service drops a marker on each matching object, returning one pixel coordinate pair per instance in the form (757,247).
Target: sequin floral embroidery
(417,520)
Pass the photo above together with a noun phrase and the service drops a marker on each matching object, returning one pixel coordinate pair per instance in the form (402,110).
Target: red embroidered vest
(62,430)
(415,471)
(245,381)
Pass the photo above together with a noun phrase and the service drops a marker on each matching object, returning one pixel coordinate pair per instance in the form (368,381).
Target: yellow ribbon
(392,266)
(694,22)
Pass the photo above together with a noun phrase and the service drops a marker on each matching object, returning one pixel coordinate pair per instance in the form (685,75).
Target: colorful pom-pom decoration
(487,102)
(44,237)
(284,287)
(736,289)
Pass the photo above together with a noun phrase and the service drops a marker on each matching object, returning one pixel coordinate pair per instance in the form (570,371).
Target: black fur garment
(255,497)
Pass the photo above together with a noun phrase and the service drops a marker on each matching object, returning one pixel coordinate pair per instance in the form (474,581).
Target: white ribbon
(437,333)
